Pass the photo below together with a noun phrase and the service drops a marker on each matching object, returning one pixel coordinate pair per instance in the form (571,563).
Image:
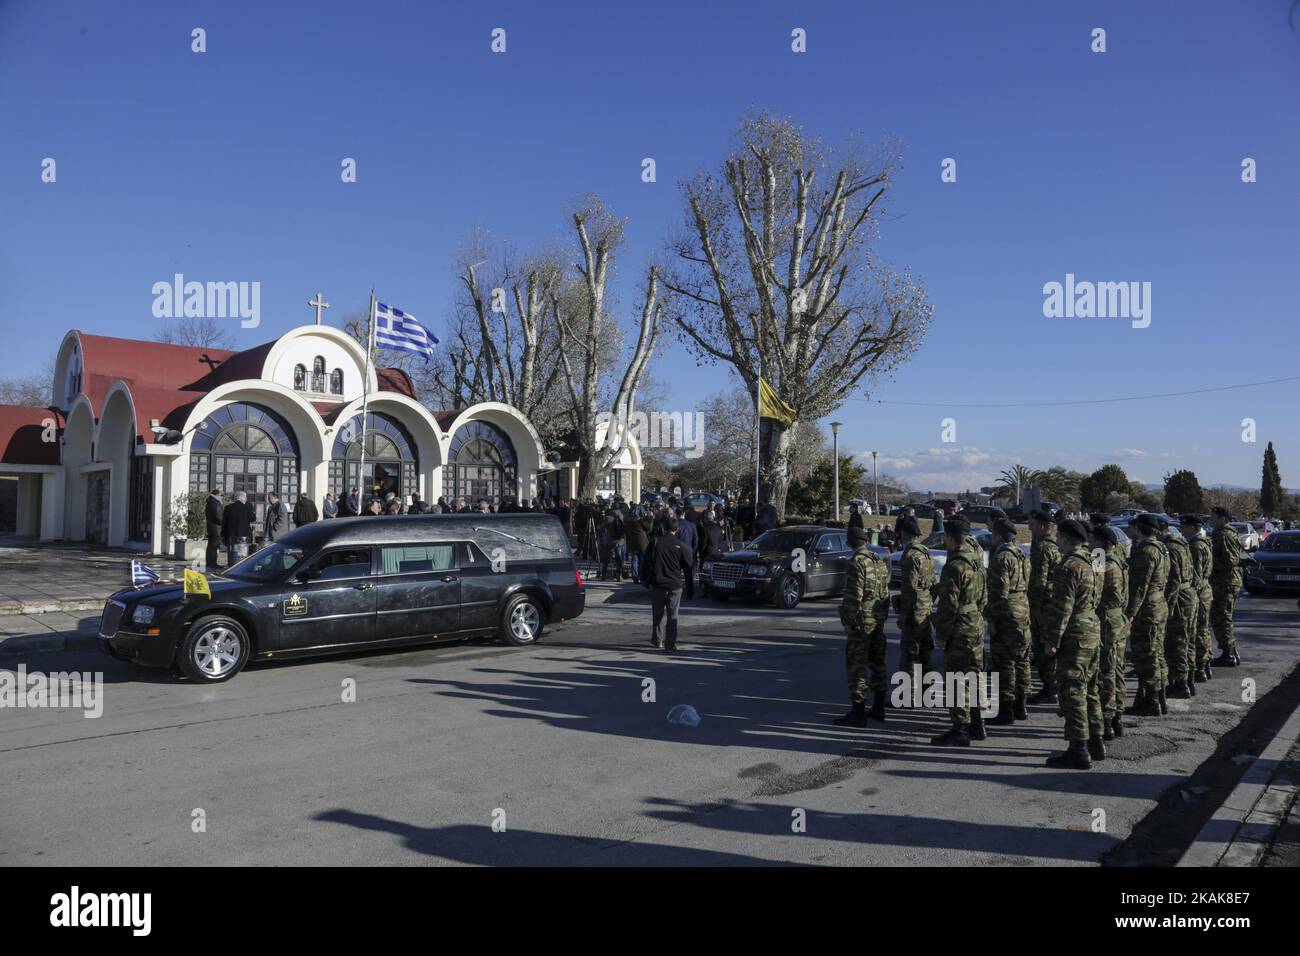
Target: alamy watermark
(941,690)
(661,429)
(1098,300)
(208,300)
(70,689)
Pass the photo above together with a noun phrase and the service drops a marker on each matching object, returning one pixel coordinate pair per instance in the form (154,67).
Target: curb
(14,608)
(1250,813)
(49,643)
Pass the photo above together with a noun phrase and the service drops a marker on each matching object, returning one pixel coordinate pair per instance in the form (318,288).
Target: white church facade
(133,425)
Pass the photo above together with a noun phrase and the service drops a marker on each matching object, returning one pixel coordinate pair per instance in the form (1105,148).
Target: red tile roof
(21,428)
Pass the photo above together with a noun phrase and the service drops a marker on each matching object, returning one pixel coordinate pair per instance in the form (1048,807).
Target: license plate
(1288,577)
(724,584)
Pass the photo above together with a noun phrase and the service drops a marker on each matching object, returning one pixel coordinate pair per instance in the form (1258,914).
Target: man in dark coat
(667,561)
(686,530)
(213,510)
(304,512)
(637,542)
(711,539)
(855,516)
(276,522)
(237,528)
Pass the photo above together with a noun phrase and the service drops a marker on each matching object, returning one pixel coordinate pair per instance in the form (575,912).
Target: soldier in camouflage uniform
(1072,634)
(1225,583)
(1202,563)
(916,599)
(959,625)
(1147,613)
(1114,626)
(1180,638)
(1008,617)
(1044,556)
(863,611)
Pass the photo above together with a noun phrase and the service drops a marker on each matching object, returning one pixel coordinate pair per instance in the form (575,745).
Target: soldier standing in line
(1114,626)
(1147,613)
(915,599)
(1179,637)
(1202,563)
(1072,635)
(1225,583)
(959,625)
(863,611)
(1008,617)
(1044,556)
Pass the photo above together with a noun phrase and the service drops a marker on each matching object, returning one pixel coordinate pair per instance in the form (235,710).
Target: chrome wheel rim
(216,652)
(791,590)
(524,621)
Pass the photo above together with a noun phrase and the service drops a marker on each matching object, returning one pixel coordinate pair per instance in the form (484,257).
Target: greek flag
(395,329)
(142,574)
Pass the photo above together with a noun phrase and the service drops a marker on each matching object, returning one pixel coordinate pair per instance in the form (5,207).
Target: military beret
(858,535)
(1163,521)
(1194,520)
(1098,518)
(1148,521)
(1041,514)
(1075,529)
(909,525)
(957,525)
(1220,512)
(1105,532)
(1004,527)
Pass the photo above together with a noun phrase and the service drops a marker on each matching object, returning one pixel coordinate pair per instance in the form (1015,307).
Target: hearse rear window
(411,559)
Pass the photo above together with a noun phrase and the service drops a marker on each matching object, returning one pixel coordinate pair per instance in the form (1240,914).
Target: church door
(97,486)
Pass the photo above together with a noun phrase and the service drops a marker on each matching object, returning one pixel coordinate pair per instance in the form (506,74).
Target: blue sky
(1116,166)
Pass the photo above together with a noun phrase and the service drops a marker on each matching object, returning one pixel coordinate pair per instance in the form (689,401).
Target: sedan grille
(727,571)
(112,617)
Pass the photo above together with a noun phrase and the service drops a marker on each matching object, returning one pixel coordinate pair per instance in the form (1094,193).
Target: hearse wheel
(789,590)
(215,650)
(522,620)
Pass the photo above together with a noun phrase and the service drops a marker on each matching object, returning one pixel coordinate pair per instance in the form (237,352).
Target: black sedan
(356,584)
(1275,565)
(783,566)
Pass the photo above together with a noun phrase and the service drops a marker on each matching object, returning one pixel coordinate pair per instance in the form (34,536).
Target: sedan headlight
(143,614)
(707,568)
(756,570)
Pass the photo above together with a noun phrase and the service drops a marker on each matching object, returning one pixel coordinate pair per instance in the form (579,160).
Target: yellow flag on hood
(771,406)
(196,583)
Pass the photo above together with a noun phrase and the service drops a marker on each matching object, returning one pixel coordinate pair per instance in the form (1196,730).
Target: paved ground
(63,578)
(559,739)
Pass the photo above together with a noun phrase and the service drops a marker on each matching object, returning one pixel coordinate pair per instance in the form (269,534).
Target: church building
(134,425)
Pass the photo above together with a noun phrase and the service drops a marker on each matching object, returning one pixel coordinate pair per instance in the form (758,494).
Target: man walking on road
(667,562)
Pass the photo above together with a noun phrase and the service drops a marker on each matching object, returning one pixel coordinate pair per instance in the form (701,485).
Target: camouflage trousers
(963,655)
(1204,647)
(1180,636)
(1077,668)
(1110,677)
(1225,601)
(864,660)
(916,645)
(1009,657)
(1044,663)
(1147,639)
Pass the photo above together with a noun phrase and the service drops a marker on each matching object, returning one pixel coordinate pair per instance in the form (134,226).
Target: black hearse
(356,584)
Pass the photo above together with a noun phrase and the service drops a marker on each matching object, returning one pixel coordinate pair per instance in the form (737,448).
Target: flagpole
(758,418)
(365,394)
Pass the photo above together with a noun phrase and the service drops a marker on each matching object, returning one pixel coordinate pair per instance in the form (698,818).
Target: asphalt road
(556,741)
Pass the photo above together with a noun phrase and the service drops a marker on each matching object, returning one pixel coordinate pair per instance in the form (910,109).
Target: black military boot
(1164,707)
(1191,685)
(877,711)
(1209,674)
(1118,724)
(1019,709)
(1139,701)
(1108,728)
(1177,690)
(956,736)
(1096,749)
(1228,659)
(1045,696)
(1006,714)
(1073,758)
(1150,705)
(977,731)
(856,717)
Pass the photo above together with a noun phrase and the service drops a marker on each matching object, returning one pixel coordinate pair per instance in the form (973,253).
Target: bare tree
(774,269)
(200,332)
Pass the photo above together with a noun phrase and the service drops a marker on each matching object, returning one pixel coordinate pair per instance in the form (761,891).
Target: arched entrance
(392,462)
(482,463)
(245,447)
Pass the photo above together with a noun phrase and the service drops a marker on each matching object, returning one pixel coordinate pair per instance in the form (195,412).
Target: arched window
(318,375)
(482,463)
(392,462)
(300,377)
(249,448)
(336,382)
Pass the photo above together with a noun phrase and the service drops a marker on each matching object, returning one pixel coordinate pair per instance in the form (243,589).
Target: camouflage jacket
(1072,615)
(963,595)
(1009,585)
(1114,585)
(1202,561)
(1227,557)
(1180,567)
(865,604)
(1148,573)
(1044,558)
(916,598)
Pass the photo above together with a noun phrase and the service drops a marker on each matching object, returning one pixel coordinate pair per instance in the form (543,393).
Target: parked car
(1249,540)
(699,500)
(864,506)
(982,513)
(1275,567)
(356,584)
(783,566)
(1263,529)
(939,552)
(950,506)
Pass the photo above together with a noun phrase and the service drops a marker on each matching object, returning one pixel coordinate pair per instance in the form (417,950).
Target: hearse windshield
(269,564)
(782,540)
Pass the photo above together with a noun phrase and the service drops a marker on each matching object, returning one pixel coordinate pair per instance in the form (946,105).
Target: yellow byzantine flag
(196,583)
(771,406)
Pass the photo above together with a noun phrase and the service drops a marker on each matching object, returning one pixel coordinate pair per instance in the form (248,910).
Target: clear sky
(1118,166)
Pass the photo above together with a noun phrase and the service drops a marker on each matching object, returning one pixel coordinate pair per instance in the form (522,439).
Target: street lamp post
(835,433)
(875,480)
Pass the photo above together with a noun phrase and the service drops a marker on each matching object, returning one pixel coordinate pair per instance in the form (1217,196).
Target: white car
(1249,539)
(940,554)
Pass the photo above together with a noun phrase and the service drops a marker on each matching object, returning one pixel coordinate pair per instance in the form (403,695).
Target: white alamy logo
(208,300)
(1098,300)
(75,908)
(683,430)
(66,689)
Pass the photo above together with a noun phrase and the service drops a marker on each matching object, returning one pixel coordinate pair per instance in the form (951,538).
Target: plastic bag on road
(685,715)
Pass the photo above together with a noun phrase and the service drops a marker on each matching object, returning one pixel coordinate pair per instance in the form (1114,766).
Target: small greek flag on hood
(142,574)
